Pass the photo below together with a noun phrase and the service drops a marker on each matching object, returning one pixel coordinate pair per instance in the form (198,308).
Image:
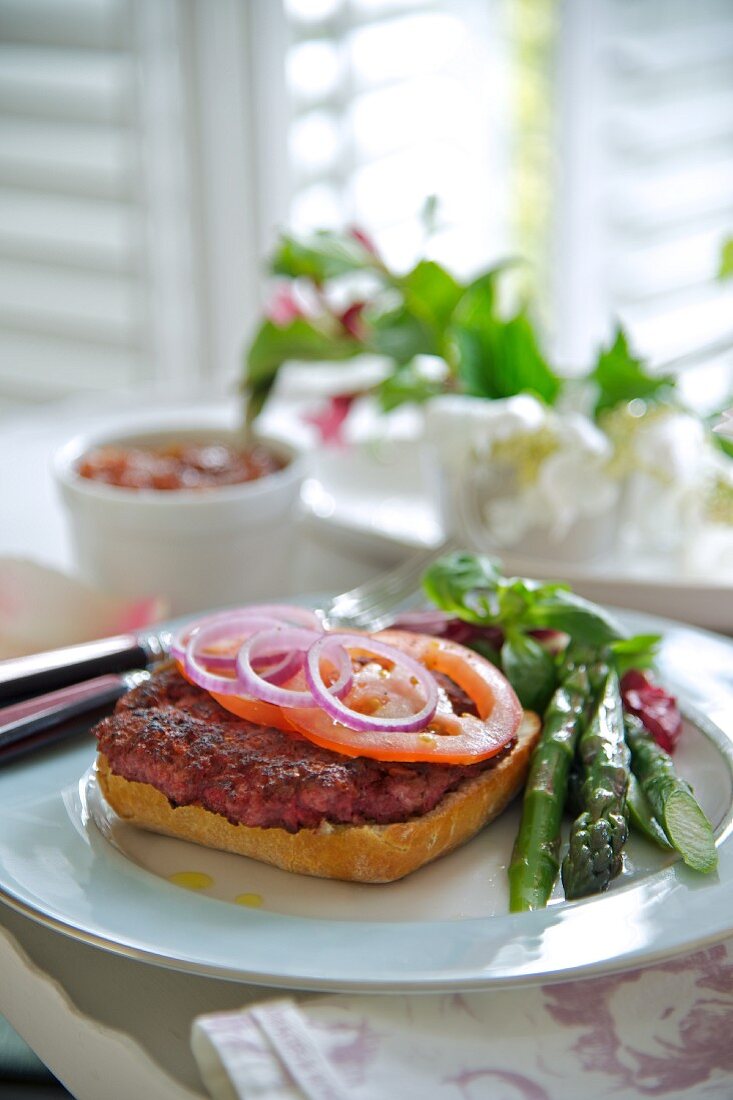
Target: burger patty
(174,736)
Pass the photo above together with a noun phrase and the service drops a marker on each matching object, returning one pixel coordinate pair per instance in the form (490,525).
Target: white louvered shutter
(605,127)
(393,101)
(126,205)
(645,181)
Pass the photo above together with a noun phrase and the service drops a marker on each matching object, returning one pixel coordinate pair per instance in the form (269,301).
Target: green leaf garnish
(463,585)
(530,669)
(637,652)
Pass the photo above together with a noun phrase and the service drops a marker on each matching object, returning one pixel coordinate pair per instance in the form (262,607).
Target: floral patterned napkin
(662,1031)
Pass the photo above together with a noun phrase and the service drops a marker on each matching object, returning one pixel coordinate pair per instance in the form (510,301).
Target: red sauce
(178,465)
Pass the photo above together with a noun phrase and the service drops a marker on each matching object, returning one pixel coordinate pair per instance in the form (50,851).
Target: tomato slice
(254,710)
(450,738)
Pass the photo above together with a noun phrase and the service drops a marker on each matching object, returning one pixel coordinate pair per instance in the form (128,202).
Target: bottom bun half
(355,853)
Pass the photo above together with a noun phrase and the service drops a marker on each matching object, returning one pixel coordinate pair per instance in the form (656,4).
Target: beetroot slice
(654,706)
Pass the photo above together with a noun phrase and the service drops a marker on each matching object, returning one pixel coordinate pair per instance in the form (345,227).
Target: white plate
(445,927)
(383,498)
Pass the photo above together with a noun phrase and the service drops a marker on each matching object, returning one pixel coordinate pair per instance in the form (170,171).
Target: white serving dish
(196,549)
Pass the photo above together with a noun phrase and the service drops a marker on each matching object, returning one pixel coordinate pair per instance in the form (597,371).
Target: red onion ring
(277,671)
(275,612)
(277,638)
(340,712)
(277,641)
(197,664)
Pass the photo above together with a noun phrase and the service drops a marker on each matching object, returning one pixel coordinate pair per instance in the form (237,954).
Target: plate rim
(664,883)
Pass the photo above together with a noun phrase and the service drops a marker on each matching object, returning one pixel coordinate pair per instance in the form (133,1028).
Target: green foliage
(426,311)
(725,269)
(399,334)
(488,352)
(620,377)
(637,652)
(274,345)
(324,256)
(431,294)
(407,384)
(497,357)
(530,669)
(723,444)
(471,588)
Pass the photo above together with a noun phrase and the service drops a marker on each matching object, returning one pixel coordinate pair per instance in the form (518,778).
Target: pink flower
(364,239)
(352,320)
(331,420)
(283,309)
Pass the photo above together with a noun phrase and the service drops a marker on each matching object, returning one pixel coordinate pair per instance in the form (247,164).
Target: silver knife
(35,723)
(37,673)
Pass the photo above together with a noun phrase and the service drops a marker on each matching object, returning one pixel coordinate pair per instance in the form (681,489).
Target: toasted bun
(356,853)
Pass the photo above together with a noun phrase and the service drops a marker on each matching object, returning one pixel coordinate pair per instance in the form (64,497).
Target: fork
(373,605)
(51,689)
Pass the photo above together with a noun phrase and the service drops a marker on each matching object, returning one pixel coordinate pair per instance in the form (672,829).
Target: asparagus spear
(641,815)
(535,859)
(671,799)
(598,834)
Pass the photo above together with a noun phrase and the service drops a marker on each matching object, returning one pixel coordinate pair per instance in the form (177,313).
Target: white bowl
(197,549)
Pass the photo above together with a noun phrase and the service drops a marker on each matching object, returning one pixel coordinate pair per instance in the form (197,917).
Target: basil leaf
(585,622)
(637,652)
(530,669)
(516,597)
(464,585)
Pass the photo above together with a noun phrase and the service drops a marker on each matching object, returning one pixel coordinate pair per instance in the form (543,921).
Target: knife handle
(34,716)
(21,677)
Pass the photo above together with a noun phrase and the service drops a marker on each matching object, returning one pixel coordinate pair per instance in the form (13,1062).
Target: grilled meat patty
(174,736)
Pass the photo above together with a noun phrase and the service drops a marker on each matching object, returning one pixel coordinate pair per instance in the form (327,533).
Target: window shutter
(645,182)
(126,194)
(395,101)
(72,278)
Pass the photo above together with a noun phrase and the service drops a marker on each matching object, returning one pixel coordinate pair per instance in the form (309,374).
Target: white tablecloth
(112,1027)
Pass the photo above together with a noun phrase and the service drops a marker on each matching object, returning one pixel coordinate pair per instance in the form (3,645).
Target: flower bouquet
(530,458)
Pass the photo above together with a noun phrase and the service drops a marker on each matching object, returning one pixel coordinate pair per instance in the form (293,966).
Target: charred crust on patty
(174,736)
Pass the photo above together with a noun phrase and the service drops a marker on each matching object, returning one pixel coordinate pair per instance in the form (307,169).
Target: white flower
(458,426)
(520,468)
(674,447)
(671,465)
(575,483)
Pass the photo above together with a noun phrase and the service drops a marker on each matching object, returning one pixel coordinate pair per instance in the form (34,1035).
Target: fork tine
(372,604)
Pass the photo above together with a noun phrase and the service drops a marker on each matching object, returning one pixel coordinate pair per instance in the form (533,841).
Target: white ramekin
(197,549)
